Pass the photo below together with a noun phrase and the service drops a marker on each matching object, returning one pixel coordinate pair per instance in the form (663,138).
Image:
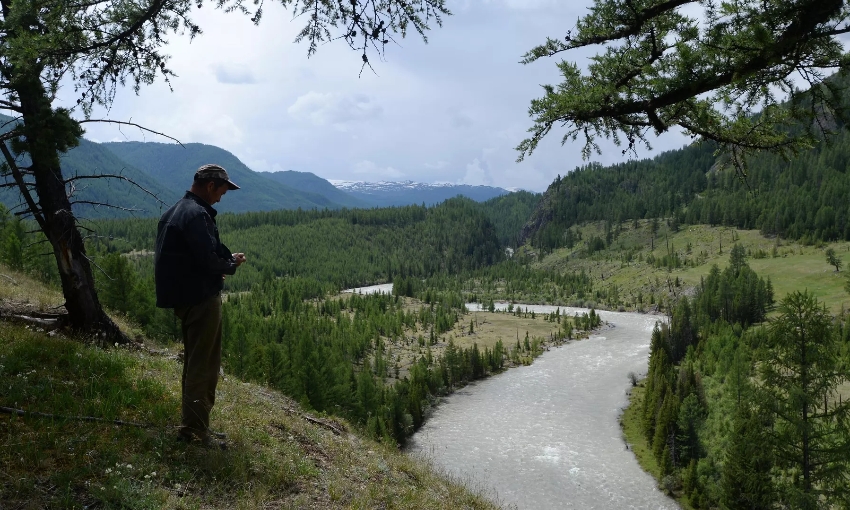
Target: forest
(803,198)
(718,404)
(741,409)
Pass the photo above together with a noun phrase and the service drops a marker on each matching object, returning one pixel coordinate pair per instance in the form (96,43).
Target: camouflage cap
(215,172)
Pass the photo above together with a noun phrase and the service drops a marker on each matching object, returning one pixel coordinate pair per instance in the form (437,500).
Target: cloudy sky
(451,110)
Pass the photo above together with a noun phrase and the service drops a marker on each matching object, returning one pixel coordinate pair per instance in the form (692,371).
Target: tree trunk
(47,133)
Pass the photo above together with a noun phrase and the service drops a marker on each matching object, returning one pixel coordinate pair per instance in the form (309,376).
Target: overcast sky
(451,110)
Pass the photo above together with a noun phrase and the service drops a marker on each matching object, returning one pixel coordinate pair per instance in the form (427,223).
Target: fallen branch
(47,322)
(10,279)
(328,425)
(21,412)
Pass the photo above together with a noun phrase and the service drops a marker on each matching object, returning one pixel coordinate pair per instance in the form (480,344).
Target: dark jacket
(189,258)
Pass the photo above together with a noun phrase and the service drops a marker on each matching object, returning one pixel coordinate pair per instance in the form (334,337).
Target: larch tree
(94,47)
(800,373)
(725,71)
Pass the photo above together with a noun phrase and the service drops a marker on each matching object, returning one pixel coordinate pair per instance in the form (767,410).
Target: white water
(384,288)
(547,435)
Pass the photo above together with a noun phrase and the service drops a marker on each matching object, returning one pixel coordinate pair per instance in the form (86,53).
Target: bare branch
(116,176)
(133,124)
(92,262)
(105,204)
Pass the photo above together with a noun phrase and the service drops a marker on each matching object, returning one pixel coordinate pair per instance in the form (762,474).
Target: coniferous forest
(740,407)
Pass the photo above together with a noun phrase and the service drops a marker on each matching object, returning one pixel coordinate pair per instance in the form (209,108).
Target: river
(547,436)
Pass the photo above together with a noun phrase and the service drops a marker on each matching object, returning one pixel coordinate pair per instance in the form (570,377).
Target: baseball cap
(215,172)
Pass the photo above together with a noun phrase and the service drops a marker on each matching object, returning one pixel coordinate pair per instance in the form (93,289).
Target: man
(189,264)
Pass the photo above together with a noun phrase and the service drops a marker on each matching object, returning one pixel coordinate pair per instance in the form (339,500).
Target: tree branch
(116,176)
(21,412)
(22,186)
(143,128)
(105,204)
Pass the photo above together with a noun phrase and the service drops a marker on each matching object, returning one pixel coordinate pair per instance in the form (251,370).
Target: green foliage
(509,213)
(751,417)
(833,260)
(22,249)
(734,295)
(801,369)
(746,480)
(346,248)
(720,71)
(801,199)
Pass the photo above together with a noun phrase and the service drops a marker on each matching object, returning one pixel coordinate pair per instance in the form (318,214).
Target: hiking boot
(184,437)
(212,444)
(219,435)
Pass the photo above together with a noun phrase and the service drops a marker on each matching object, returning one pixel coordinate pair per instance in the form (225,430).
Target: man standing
(189,264)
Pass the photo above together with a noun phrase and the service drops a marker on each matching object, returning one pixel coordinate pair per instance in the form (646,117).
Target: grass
(488,328)
(23,290)
(790,265)
(277,458)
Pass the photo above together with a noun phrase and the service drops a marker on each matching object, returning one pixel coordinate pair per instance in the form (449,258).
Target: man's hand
(239,258)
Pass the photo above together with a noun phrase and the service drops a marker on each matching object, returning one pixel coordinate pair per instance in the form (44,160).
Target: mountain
(89,159)
(174,165)
(311,183)
(388,193)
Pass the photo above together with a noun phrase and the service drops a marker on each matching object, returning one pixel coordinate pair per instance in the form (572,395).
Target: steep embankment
(279,455)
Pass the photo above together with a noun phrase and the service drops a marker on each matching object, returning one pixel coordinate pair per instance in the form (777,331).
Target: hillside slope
(91,158)
(311,183)
(279,455)
(393,194)
(637,269)
(804,198)
(173,166)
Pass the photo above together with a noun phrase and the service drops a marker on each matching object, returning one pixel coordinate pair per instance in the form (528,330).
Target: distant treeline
(345,248)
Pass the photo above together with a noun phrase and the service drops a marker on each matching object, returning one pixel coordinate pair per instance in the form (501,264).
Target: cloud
(333,109)
(370,170)
(439,165)
(261,165)
(460,120)
(477,173)
(234,74)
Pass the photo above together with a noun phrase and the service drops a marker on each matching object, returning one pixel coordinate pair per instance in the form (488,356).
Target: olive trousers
(201,363)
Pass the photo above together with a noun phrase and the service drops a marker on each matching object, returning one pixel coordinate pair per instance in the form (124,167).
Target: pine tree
(746,478)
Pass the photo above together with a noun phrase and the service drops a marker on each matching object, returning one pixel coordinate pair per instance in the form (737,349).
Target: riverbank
(630,423)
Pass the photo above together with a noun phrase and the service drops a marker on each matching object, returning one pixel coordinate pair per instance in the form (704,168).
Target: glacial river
(546,436)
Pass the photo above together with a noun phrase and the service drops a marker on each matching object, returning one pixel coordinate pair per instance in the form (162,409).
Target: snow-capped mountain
(397,193)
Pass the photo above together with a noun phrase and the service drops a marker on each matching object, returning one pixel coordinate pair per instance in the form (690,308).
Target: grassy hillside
(634,262)
(279,455)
